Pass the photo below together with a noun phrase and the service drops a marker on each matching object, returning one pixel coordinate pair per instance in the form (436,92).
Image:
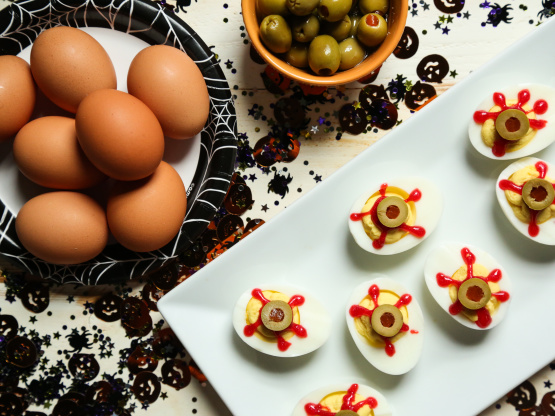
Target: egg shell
(119,135)
(47,152)
(543,138)
(62,227)
(382,408)
(17,95)
(68,64)
(447,259)
(547,229)
(428,213)
(407,348)
(147,214)
(169,82)
(314,317)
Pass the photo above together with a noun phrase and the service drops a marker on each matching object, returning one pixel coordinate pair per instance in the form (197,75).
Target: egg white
(313,317)
(547,229)
(408,348)
(447,259)
(428,213)
(543,138)
(382,409)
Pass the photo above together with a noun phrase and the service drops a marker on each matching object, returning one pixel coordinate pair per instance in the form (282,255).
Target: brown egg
(17,95)
(47,152)
(172,86)
(119,135)
(68,64)
(145,215)
(62,227)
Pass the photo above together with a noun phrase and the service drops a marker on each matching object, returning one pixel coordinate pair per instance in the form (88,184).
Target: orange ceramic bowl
(397,18)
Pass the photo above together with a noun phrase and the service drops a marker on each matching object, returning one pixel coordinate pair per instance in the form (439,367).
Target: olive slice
(512,124)
(387,320)
(276,315)
(474,293)
(538,193)
(392,211)
(346,413)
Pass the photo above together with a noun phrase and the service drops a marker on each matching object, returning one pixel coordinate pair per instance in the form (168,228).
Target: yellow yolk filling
(394,234)
(253,312)
(490,134)
(363,325)
(517,204)
(333,402)
(478,270)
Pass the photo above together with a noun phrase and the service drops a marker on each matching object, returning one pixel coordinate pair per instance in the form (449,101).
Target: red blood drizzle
(484,317)
(507,185)
(533,227)
(541,167)
(416,231)
(356,311)
(316,409)
(539,107)
(299,330)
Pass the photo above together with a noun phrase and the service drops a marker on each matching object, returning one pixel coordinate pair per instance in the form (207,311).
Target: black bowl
(155,23)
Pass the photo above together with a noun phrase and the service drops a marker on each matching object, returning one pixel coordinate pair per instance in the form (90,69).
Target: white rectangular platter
(461,371)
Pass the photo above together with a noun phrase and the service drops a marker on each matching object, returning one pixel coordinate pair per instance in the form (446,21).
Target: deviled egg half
(343,400)
(514,122)
(395,216)
(468,284)
(281,320)
(526,194)
(386,324)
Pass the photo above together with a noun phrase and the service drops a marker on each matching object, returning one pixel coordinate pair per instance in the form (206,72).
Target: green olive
(276,315)
(373,6)
(346,413)
(302,7)
(392,211)
(372,29)
(305,28)
(334,10)
(298,55)
(268,7)
(338,30)
(275,33)
(538,194)
(352,53)
(512,124)
(323,55)
(386,320)
(474,293)
(355,20)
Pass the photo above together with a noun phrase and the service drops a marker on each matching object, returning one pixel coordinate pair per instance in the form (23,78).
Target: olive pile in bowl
(324,35)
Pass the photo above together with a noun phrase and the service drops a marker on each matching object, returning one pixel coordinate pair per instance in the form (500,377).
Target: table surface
(78,350)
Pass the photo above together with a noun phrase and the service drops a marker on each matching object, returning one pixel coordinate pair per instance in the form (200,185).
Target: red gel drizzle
(416,230)
(356,311)
(316,409)
(299,330)
(539,107)
(507,185)
(484,317)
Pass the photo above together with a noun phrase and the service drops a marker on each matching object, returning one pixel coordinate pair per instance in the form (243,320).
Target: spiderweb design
(22,22)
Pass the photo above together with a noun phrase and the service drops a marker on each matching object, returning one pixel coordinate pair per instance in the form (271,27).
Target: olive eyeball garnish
(392,211)
(512,124)
(346,413)
(276,315)
(538,194)
(387,320)
(474,293)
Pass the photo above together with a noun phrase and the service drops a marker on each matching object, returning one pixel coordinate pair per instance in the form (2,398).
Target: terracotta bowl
(398,10)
